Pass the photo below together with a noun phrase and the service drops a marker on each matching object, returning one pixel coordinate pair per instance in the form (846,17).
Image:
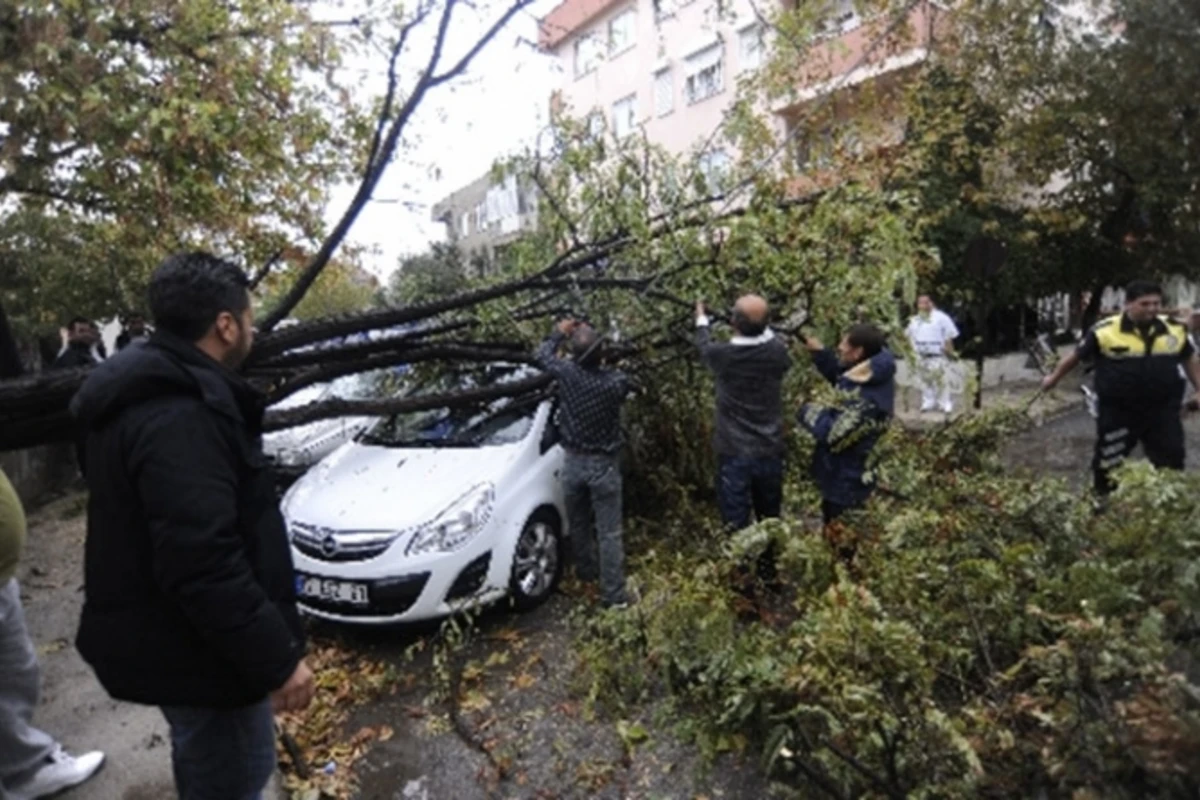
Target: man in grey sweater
(748,440)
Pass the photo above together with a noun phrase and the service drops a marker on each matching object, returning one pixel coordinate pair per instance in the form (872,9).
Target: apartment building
(671,67)
(485,215)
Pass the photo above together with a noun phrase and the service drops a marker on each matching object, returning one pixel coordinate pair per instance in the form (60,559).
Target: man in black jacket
(190,592)
(81,338)
(590,398)
(133,331)
(749,371)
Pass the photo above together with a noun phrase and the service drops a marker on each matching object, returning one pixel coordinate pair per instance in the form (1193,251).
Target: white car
(304,445)
(425,514)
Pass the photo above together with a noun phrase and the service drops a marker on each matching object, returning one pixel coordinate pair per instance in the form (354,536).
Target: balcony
(864,51)
(567,18)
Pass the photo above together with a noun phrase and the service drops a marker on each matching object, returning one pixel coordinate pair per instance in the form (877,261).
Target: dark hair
(585,346)
(78,321)
(1138,289)
(746,326)
(868,337)
(189,291)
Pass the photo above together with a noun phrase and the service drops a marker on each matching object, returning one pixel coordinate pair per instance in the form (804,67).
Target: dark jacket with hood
(846,433)
(190,591)
(76,355)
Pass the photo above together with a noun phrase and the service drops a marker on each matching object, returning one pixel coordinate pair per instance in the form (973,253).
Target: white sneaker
(61,771)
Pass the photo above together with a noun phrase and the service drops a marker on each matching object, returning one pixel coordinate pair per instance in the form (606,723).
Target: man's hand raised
(567,326)
(813,344)
(297,693)
(701,311)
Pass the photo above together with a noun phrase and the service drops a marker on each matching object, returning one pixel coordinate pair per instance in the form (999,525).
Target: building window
(466,224)
(595,124)
(664,93)
(714,166)
(624,119)
(841,16)
(622,32)
(750,41)
(587,54)
(815,150)
(481,216)
(705,73)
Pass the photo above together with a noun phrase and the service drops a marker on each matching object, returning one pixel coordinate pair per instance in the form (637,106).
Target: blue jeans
(749,487)
(592,489)
(222,753)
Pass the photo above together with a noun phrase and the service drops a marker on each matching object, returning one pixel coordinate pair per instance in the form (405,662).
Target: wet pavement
(1063,447)
(519,699)
(519,702)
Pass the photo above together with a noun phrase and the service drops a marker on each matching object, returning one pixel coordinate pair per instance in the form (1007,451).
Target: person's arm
(817,420)
(824,359)
(1086,351)
(704,343)
(185,474)
(1065,366)
(547,352)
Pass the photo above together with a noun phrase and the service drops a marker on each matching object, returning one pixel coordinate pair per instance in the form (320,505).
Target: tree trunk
(10,357)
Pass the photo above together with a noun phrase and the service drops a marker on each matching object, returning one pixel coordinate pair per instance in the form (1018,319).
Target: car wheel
(537,560)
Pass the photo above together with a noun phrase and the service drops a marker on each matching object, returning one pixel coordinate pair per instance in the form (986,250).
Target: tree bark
(10,356)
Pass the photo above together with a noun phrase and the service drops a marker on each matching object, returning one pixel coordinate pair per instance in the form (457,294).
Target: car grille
(387,598)
(325,544)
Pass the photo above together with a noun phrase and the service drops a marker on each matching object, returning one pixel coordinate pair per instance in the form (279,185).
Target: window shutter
(703,59)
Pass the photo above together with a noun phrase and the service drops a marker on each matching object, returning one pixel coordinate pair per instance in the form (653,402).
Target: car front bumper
(402,590)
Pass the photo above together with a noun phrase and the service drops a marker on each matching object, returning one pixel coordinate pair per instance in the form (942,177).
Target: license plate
(330,590)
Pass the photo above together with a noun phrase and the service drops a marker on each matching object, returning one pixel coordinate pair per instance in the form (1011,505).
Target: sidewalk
(74,708)
(1066,397)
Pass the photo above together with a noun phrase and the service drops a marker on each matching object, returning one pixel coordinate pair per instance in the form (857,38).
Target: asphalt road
(1063,447)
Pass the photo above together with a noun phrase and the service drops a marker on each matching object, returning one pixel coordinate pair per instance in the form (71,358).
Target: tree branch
(276,420)
(383,157)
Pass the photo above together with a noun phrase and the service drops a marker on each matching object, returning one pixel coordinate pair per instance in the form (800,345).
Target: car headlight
(455,526)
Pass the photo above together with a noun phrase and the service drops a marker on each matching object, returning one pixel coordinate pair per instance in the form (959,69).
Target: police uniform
(1138,382)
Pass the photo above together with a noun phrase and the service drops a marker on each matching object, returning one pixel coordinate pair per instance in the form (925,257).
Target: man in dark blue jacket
(865,369)
(190,601)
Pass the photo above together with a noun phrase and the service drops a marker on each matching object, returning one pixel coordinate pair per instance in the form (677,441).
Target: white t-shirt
(930,334)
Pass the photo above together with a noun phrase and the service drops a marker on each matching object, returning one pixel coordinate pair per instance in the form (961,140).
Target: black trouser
(751,486)
(1121,426)
(831,511)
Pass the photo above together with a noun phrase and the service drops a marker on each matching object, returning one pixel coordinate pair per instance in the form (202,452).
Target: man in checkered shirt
(589,423)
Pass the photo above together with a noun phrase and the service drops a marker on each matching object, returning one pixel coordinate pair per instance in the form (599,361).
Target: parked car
(296,449)
(426,513)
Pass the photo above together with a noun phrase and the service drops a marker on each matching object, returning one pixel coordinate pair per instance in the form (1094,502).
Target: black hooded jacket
(190,593)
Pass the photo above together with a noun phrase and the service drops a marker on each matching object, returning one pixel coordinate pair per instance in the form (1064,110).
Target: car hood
(364,487)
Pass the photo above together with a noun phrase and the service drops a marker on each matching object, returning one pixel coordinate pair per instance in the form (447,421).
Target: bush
(990,636)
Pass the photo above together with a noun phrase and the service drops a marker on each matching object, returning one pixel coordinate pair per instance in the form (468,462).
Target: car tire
(537,560)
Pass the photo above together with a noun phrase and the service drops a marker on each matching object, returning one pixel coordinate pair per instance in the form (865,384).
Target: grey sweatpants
(22,746)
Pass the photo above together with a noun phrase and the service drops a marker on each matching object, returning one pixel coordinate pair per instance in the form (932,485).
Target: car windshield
(360,386)
(500,423)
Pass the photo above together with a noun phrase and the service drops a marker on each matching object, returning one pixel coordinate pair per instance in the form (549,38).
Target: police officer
(1138,355)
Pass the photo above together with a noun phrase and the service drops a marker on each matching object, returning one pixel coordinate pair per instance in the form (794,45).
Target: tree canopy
(134,129)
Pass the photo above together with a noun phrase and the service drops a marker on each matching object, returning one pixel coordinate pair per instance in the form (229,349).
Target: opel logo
(329,546)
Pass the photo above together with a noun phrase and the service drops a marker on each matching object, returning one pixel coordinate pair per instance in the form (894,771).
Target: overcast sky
(458,132)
